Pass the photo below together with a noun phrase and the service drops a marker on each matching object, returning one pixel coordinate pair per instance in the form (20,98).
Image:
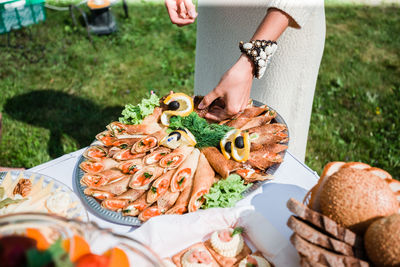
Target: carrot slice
(41,241)
(118,258)
(76,247)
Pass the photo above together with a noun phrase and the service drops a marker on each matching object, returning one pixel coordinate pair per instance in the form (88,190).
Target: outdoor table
(292,179)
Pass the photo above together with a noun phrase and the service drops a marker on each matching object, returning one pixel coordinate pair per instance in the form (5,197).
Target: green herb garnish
(163,154)
(169,162)
(250,265)
(181,181)
(237,230)
(123,146)
(135,114)
(132,167)
(147,175)
(206,134)
(225,193)
(154,189)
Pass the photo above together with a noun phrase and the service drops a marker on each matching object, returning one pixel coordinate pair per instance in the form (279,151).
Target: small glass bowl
(100,240)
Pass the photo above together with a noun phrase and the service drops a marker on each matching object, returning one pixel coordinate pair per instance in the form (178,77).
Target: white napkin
(169,234)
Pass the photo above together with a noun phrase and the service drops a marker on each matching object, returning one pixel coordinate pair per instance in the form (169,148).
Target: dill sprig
(206,134)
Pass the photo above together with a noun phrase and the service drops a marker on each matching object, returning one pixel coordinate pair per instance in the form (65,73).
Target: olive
(228,147)
(173,105)
(178,135)
(239,143)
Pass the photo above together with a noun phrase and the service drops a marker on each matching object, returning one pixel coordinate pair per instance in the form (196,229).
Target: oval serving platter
(116,217)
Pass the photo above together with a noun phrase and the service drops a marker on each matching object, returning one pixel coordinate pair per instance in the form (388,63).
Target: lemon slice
(241,153)
(229,137)
(177,138)
(180,103)
(189,137)
(166,116)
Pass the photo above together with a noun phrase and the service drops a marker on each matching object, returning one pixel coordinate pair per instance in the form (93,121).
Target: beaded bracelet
(260,52)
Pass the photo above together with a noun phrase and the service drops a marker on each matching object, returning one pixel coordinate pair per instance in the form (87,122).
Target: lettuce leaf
(225,193)
(135,114)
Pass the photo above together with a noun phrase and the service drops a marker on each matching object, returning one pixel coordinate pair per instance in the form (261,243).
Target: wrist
(246,64)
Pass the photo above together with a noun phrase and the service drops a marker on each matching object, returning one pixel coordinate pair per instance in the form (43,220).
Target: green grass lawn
(58,91)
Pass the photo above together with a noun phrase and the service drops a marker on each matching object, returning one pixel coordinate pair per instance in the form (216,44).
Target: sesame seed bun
(382,241)
(355,198)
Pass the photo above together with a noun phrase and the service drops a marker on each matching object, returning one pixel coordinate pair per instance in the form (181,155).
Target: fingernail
(192,13)
(201,105)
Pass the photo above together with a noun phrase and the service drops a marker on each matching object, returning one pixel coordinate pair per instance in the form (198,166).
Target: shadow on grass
(62,114)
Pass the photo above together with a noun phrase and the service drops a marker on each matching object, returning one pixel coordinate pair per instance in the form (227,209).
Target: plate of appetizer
(163,157)
(23,191)
(217,237)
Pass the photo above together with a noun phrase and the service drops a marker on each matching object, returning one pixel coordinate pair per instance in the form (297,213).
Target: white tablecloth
(292,179)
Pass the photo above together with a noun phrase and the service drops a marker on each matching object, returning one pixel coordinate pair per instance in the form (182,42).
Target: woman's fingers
(178,13)
(208,99)
(217,114)
(191,8)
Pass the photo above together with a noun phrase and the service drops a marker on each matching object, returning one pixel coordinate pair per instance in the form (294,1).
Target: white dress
(289,82)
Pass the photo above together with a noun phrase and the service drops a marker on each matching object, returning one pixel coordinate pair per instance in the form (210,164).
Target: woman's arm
(235,85)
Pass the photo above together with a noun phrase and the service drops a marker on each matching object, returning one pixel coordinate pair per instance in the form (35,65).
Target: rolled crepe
(160,186)
(246,116)
(131,194)
(98,166)
(181,204)
(96,153)
(119,202)
(145,176)
(149,142)
(135,207)
(175,159)
(101,178)
(185,172)
(155,156)
(267,156)
(131,166)
(166,201)
(118,187)
(106,138)
(202,182)
(100,195)
(114,204)
(154,117)
(124,143)
(150,212)
(126,154)
(258,140)
(250,175)
(117,128)
(219,163)
(268,128)
(259,121)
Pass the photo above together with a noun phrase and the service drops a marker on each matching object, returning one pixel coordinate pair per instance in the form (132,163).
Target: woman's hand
(233,88)
(181,12)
